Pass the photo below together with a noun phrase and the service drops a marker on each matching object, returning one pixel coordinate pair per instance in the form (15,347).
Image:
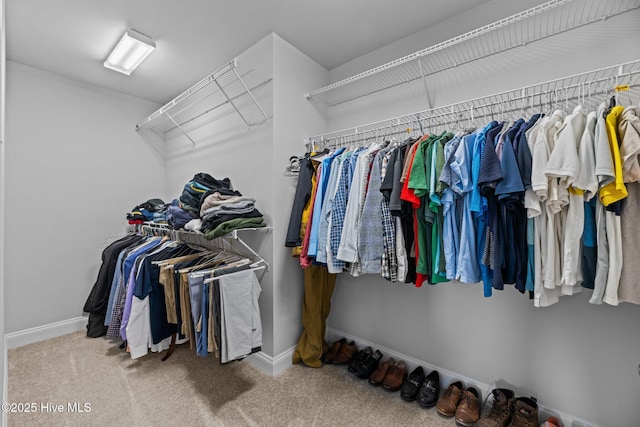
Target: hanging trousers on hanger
(318,289)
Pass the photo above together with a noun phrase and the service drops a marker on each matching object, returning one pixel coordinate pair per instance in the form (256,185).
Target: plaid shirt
(337,213)
(327,204)
(113,331)
(370,243)
(389,257)
(389,260)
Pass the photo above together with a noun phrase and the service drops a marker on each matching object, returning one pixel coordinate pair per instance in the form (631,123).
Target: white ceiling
(195,37)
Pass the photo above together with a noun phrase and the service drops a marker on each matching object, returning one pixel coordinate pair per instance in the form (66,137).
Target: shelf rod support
(230,101)
(180,128)
(426,88)
(266,118)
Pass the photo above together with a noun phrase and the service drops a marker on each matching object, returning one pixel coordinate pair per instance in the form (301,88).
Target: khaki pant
(318,289)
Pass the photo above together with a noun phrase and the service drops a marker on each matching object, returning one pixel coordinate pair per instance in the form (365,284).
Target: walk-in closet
(304,213)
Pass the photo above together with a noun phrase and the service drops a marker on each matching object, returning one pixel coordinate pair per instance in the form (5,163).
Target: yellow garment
(318,289)
(616,190)
(185,308)
(166,280)
(306,213)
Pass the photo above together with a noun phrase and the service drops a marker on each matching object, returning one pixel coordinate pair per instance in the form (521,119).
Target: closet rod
(615,74)
(213,279)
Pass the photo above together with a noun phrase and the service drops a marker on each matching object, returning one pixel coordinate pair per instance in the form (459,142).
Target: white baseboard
(446,376)
(44,332)
(272,366)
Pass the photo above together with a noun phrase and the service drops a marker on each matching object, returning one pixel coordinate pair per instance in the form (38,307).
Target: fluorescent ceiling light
(130,51)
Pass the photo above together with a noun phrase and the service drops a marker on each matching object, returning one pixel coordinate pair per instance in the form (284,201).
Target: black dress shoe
(358,358)
(412,384)
(368,365)
(429,392)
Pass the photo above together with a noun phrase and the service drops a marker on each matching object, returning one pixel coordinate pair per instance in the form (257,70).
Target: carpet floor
(56,378)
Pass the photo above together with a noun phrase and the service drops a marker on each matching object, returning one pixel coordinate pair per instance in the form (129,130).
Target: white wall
(225,148)
(578,358)
(74,167)
(3,63)
(294,117)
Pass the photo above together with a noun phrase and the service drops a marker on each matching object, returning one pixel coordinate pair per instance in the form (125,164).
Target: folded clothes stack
(206,205)
(147,211)
(194,190)
(222,213)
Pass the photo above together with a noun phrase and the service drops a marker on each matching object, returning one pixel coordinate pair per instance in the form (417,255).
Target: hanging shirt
(614,192)
(545,293)
(408,195)
(300,200)
(348,248)
(337,215)
(322,184)
(467,269)
(449,200)
(389,263)
(435,205)
(629,132)
(587,182)
(562,169)
(370,234)
(509,193)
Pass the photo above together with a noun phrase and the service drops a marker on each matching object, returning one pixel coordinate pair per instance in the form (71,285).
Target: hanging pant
(318,289)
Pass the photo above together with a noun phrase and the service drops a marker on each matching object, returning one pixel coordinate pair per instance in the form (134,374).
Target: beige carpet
(187,390)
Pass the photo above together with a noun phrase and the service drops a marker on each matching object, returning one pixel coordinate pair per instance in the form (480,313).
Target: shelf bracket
(231,101)
(426,88)
(255,101)
(180,128)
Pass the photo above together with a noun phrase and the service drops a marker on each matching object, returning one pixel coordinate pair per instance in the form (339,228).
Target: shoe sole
(408,399)
(445,414)
(463,424)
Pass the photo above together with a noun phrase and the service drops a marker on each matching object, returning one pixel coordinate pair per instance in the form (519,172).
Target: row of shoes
(456,401)
(391,374)
(506,410)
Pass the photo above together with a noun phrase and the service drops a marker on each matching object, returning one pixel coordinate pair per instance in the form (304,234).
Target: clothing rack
(537,23)
(228,242)
(621,81)
(225,86)
(223,243)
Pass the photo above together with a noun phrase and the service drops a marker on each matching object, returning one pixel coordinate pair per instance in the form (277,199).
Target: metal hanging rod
(539,22)
(588,84)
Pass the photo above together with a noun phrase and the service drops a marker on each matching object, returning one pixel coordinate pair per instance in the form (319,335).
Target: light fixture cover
(130,51)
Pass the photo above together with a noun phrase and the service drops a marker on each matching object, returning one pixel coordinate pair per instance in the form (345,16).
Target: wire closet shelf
(224,87)
(590,88)
(537,23)
(229,242)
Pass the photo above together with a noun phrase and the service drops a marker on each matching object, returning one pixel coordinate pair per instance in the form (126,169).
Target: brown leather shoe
(395,376)
(345,354)
(468,411)
(378,375)
(448,402)
(501,410)
(525,412)
(328,357)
